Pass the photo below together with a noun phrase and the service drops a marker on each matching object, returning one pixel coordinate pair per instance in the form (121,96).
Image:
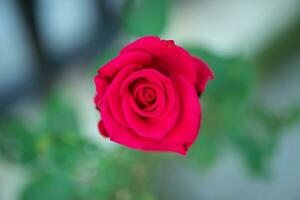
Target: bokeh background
(50,148)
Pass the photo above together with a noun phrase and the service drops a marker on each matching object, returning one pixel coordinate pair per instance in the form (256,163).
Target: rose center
(145,97)
(146,93)
(149,94)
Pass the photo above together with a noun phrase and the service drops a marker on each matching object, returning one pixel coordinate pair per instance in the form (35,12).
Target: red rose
(148,96)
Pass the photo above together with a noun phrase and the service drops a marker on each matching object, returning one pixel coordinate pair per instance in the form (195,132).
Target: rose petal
(186,128)
(113,67)
(169,58)
(101,85)
(127,137)
(204,74)
(113,98)
(149,74)
(102,130)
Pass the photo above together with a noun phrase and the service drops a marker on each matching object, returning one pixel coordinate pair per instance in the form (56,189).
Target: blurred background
(50,148)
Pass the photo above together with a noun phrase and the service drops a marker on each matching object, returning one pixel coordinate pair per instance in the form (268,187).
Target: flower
(148,96)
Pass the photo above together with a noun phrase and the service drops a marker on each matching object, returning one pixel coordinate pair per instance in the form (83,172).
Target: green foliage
(145,17)
(16,142)
(205,151)
(233,116)
(49,188)
(235,78)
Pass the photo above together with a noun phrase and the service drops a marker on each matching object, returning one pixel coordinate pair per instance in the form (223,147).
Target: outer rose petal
(113,98)
(187,126)
(127,137)
(169,58)
(102,130)
(113,67)
(100,84)
(204,74)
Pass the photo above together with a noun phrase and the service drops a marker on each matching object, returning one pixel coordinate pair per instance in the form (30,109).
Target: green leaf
(145,17)
(49,188)
(235,78)
(59,116)
(226,112)
(17,142)
(205,151)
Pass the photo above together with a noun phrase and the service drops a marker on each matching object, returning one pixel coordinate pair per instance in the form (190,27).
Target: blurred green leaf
(49,188)
(147,197)
(17,142)
(235,78)
(228,114)
(145,17)
(59,116)
(292,116)
(205,150)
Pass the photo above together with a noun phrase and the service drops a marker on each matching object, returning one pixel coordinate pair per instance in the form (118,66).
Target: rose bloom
(148,96)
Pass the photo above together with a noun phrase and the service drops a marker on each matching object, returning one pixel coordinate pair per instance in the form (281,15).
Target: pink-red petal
(204,74)
(186,128)
(112,68)
(168,57)
(113,98)
(129,138)
(101,85)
